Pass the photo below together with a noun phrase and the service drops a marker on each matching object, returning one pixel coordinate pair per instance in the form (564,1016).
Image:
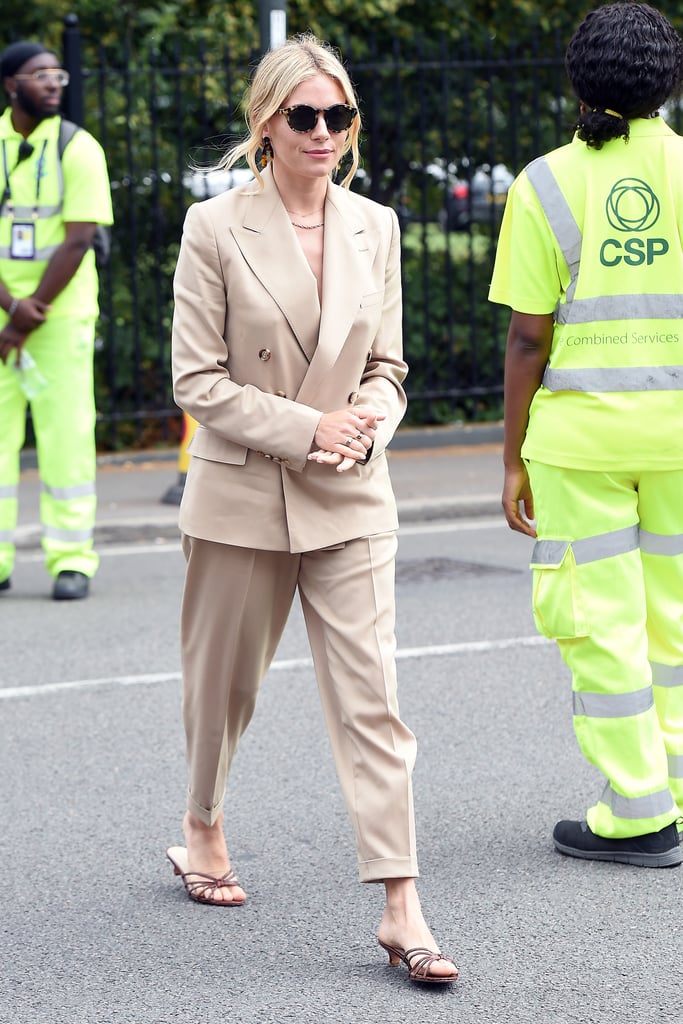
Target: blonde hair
(277,75)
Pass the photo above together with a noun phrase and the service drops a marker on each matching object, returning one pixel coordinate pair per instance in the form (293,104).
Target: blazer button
(353,398)
(264,355)
(280,394)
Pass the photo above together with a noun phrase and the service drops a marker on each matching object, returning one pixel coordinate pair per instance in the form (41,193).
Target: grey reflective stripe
(650,806)
(620,378)
(675,766)
(549,552)
(70,536)
(605,545)
(67,493)
(588,549)
(666,675)
(6,536)
(613,705)
(9,491)
(30,212)
(560,218)
(661,543)
(45,253)
(621,307)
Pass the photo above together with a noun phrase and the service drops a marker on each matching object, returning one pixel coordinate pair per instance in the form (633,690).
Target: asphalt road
(95,929)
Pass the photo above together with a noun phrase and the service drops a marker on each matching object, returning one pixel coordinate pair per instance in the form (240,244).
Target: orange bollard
(175,492)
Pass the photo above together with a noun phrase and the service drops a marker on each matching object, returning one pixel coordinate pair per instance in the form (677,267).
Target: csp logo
(632,206)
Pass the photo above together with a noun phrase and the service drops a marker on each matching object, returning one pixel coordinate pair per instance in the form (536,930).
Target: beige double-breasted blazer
(257,359)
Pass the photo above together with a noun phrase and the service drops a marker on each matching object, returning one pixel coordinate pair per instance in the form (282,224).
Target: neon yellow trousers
(64,426)
(608,586)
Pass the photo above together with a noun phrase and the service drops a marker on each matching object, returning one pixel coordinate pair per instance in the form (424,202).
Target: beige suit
(257,360)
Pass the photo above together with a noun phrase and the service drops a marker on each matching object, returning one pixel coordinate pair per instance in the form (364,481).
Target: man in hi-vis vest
(51,206)
(590,259)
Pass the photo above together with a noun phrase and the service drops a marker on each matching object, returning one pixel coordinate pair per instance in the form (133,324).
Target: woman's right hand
(347,433)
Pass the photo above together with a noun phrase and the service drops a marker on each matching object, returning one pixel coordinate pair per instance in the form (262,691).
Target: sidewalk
(438,473)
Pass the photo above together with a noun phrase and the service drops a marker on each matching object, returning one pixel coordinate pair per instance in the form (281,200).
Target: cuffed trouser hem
(207,817)
(86,562)
(387,867)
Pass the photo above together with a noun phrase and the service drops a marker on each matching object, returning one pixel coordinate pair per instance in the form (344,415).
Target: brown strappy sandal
(201,887)
(424,958)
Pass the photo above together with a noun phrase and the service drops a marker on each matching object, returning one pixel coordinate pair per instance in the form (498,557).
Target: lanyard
(7,194)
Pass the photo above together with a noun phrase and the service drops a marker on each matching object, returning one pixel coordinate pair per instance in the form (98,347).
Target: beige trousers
(235,606)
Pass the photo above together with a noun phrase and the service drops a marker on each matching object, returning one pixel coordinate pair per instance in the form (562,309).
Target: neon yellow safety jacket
(609,244)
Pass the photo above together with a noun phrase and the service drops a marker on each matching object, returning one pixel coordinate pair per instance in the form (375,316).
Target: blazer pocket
(207,445)
(371,298)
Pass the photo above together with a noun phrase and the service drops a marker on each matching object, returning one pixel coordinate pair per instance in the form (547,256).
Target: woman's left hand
(332,459)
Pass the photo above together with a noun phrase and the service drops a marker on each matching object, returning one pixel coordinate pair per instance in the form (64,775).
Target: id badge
(23,245)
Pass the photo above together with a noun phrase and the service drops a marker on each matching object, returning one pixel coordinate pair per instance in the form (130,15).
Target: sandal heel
(394,958)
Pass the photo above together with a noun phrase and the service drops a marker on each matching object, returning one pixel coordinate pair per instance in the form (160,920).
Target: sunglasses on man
(303,118)
(57,75)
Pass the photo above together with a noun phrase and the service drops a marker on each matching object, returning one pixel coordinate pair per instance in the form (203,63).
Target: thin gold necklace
(307,227)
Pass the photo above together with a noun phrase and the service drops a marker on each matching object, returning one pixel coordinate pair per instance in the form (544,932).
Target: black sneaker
(653,850)
(6,584)
(70,586)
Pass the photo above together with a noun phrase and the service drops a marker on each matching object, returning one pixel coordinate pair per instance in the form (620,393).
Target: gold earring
(266,152)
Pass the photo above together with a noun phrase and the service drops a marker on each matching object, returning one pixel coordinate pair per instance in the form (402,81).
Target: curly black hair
(623,61)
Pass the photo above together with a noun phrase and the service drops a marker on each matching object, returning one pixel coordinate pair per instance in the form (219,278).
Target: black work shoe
(653,850)
(6,584)
(70,586)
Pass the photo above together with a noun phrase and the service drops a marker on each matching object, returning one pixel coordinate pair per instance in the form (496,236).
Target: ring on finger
(359,436)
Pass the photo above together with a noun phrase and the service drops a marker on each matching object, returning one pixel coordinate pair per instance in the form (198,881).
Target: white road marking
(288,664)
(166,547)
(455,526)
(161,547)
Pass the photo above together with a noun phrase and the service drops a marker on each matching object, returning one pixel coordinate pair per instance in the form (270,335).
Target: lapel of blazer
(267,241)
(347,259)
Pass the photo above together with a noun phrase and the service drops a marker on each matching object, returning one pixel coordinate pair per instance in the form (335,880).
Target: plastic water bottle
(31,380)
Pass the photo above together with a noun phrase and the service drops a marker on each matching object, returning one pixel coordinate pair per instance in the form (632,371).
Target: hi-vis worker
(590,259)
(48,296)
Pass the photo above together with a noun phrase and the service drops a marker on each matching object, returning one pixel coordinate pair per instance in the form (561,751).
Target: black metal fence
(444,132)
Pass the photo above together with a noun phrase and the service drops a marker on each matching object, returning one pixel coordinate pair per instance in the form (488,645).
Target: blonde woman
(287,351)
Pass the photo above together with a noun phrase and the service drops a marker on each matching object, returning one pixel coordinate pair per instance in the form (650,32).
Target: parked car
(479,199)
(211,182)
(455,195)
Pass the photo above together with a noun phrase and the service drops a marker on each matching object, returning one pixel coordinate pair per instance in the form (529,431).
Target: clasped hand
(29,314)
(345,436)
